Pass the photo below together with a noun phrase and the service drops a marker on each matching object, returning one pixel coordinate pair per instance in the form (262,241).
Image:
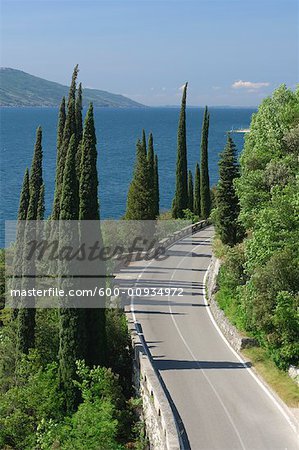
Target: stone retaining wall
(237,341)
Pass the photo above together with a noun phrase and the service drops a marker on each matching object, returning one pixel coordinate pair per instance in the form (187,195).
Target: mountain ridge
(19,88)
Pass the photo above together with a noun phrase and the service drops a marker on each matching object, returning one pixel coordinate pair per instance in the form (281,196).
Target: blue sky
(232,52)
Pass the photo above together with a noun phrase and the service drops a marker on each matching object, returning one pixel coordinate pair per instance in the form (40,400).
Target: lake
(117,131)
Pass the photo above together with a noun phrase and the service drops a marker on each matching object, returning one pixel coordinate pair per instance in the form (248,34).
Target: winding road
(218,402)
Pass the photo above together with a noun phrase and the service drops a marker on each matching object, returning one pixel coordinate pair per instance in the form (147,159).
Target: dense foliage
(259,280)
(56,390)
(226,212)
(32,405)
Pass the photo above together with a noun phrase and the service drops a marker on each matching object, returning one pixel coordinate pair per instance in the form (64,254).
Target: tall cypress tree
(144,142)
(204,179)
(26,316)
(227,202)
(40,215)
(36,177)
(190,191)
(156,185)
(89,210)
(79,107)
(151,169)
(140,194)
(197,208)
(79,129)
(72,337)
(22,215)
(68,130)
(59,160)
(69,205)
(24,197)
(180,201)
(88,185)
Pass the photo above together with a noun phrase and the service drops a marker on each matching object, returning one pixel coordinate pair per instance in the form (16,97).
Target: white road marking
(250,371)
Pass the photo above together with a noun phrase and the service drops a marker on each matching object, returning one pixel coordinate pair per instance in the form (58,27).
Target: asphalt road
(220,404)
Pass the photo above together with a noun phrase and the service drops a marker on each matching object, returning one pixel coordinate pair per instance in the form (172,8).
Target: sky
(232,52)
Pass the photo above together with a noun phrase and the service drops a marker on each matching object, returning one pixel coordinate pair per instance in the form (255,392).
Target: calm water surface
(117,131)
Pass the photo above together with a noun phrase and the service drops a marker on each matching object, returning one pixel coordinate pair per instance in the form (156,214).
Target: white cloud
(249,85)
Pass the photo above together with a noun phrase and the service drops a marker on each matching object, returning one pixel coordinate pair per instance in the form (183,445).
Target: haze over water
(117,132)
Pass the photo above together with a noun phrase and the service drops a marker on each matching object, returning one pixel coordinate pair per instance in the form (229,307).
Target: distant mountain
(18,88)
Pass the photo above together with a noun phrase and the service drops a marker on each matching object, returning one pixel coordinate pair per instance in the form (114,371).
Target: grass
(279,380)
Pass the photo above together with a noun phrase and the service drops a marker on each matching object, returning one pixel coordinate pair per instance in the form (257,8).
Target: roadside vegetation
(66,373)
(257,224)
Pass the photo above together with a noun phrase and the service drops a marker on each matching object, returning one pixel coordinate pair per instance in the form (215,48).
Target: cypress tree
(89,210)
(227,202)
(18,253)
(68,130)
(140,194)
(88,186)
(36,177)
(197,208)
(24,197)
(79,107)
(72,338)
(79,128)
(156,185)
(205,200)
(40,214)
(26,316)
(151,169)
(144,142)
(69,206)
(59,161)
(180,201)
(190,191)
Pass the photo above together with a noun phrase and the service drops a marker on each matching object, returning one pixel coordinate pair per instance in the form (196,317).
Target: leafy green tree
(180,201)
(197,208)
(267,303)
(190,191)
(33,397)
(205,199)
(99,418)
(266,142)
(226,214)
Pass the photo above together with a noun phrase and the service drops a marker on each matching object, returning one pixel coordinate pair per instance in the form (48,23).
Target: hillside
(18,88)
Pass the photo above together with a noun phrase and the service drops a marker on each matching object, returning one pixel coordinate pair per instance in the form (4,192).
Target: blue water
(117,132)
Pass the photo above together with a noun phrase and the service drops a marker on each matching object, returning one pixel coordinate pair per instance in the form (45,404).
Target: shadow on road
(169,364)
